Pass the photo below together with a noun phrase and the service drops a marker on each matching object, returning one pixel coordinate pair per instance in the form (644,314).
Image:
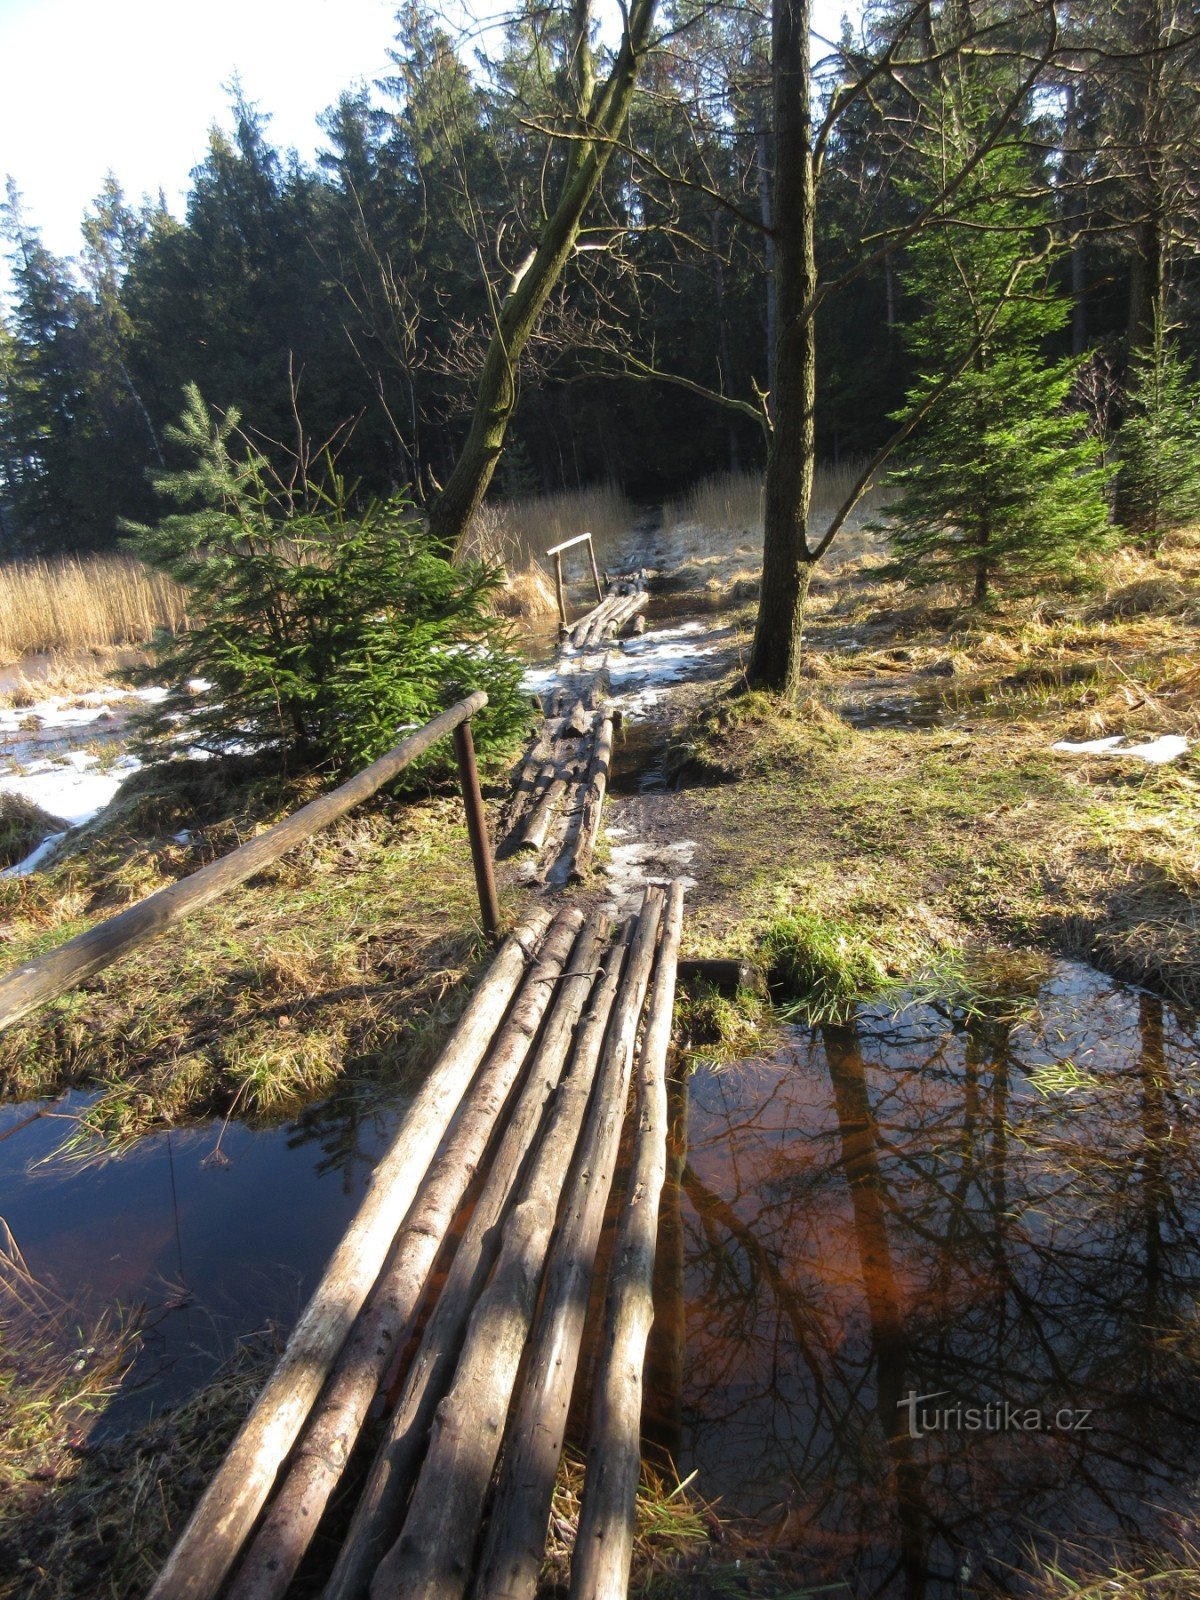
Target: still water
(1000,1214)
(206,1233)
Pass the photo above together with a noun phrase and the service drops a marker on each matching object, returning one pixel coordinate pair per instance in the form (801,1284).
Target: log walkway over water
(459,1358)
(422,1398)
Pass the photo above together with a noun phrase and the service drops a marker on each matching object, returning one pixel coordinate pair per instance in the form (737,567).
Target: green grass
(344,957)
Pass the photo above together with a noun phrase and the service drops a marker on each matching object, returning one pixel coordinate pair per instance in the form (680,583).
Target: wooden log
(523,793)
(213,1537)
(577,724)
(547,773)
(595,568)
(558,591)
(32,985)
(724,973)
(593,799)
(567,544)
(323,1452)
(516,1540)
(604,1542)
(631,609)
(537,829)
(431,1559)
(378,1513)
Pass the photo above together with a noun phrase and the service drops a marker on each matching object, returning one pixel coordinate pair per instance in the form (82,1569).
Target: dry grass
(58,1366)
(673,1526)
(514,534)
(711,537)
(100,1527)
(23,826)
(84,603)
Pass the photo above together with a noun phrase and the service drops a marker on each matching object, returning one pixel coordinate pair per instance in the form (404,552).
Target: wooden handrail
(567,543)
(556,551)
(53,974)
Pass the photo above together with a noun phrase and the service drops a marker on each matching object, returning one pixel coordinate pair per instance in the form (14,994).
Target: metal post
(558,589)
(481,850)
(595,568)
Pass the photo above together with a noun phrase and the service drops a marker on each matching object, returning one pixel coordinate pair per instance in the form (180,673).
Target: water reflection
(215,1230)
(990,1212)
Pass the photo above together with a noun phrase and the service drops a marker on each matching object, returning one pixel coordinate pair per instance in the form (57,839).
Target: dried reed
(84,603)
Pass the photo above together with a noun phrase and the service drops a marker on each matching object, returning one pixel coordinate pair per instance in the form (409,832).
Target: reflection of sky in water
(1005,1211)
(213,1249)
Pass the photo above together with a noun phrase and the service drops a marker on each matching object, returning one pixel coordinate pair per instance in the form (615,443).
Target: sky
(132,87)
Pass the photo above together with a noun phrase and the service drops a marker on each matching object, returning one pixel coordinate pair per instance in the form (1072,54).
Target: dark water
(996,1213)
(214,1234)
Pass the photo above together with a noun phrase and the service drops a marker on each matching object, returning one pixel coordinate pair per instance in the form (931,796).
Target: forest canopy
(353,297)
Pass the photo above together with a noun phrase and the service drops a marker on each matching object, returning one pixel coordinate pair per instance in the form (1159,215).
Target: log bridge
(459,1360)
(423,1395)
(617,606)
(553,816)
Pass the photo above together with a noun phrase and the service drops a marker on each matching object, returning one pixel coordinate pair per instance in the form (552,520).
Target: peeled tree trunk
(600,115)
(788,558)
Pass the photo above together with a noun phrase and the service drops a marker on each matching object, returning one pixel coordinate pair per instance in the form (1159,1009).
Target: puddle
(1001,1217)
(212,1248)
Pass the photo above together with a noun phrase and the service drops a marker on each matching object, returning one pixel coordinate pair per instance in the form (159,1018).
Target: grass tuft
(822,966)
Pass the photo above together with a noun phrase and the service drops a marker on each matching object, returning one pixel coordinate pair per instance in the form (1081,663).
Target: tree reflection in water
(988,1210)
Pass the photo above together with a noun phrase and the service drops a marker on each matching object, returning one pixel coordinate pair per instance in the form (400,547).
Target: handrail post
(481,850)
(595,568)
(558,590)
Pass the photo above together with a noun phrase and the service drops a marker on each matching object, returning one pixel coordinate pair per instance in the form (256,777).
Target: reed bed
(514,534)
(730,503)
(82,603)
(711,537)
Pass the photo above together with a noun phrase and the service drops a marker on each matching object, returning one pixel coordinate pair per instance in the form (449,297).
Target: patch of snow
(1167,747)
(34,859)
(632,866)
(70,789)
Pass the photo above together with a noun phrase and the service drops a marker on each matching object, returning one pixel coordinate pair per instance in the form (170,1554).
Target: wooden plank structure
(554,814)
(529,1099)
(61,969)
(625,598)
(556,552)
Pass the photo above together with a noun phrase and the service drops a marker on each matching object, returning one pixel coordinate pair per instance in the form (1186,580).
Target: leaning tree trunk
(787,555)
(599,117)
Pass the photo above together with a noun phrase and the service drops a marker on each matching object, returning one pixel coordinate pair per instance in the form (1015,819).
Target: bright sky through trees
(132,86)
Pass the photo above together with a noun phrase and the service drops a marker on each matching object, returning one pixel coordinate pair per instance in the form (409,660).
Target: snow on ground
(632,866)
(75,788)
(77,784)
(74,711)
(1167,747)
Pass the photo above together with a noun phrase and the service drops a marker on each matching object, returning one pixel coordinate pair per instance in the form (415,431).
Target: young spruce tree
(1158,445)
(323,632)
(1000,485)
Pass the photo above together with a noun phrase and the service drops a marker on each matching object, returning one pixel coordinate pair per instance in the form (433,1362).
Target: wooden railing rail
(556,551)
(53,974)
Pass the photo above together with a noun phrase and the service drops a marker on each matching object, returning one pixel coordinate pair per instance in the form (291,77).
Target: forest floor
(909,816)
(913,804)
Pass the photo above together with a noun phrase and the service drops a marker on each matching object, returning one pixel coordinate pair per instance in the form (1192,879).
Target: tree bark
(379,1509)
(604,1543)
(432,1558)
(516,1541)
(600,115)
(787,557)
(322,1455)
